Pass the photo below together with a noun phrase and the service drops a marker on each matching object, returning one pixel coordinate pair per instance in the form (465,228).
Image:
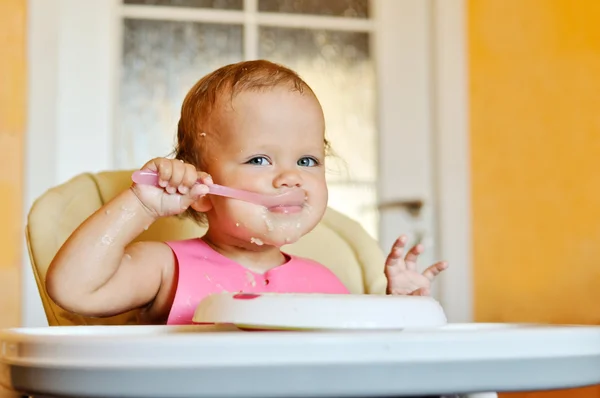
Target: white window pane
(161,61)
(338,8)
(219,4)
(339,68)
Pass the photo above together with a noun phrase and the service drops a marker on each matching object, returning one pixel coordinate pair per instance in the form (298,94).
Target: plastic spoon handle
(296,196)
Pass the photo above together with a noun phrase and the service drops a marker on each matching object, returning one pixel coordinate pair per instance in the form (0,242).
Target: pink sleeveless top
(203,271)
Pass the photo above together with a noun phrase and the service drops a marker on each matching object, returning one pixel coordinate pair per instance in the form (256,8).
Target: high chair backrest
(337,242)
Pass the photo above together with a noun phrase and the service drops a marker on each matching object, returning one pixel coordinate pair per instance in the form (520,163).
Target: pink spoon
(292,197)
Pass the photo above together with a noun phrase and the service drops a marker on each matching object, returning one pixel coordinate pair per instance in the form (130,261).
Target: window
(167,45)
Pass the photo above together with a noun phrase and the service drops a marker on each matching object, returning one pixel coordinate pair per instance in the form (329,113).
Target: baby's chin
(275,226)
(268,241)
(276,232)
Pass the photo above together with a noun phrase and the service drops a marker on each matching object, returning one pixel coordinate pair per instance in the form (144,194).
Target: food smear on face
(268,222)
(278,228)
(256,241)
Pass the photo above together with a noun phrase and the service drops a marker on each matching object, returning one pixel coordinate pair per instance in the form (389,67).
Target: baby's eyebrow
(313,150)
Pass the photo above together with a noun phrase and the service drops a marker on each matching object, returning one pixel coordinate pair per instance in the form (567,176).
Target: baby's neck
(257,259)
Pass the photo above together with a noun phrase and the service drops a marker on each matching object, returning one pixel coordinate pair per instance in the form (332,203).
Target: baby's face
(268,142)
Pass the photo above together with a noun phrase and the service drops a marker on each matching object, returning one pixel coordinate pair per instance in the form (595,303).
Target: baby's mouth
(290,205)
(287,208)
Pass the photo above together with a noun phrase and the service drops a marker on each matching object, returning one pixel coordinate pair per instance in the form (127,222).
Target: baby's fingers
(164,170)
(177,176)
(433,271)
(204,178)
(412,256)
(198,191)
(424,291)
(396,254)
(189,179)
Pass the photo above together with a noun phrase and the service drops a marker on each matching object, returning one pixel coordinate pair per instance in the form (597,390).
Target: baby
(255,126)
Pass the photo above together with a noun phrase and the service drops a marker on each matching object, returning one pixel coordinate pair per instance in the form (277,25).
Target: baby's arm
(98,272)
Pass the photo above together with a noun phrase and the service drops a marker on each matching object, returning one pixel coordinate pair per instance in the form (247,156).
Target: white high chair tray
(310,311)
(204,361)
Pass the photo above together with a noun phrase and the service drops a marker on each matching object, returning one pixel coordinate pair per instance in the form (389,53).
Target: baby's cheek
(317,204)
(243,210)
(317,194)
(246,215)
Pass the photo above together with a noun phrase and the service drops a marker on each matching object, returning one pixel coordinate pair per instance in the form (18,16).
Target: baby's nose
(288,179)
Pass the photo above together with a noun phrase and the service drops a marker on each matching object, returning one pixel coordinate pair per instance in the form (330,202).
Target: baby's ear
(202,204)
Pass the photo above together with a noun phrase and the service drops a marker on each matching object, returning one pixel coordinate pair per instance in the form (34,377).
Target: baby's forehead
(228,98)
(276,103)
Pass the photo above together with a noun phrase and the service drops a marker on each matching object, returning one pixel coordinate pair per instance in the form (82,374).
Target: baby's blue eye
(258,161)
(307,162)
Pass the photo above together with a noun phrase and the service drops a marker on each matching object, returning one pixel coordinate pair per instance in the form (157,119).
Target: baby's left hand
(402,275)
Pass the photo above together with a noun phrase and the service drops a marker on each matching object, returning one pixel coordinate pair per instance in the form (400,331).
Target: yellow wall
(12,133)
(535,136)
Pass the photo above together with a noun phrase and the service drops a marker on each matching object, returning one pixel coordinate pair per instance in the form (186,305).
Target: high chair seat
(338,242)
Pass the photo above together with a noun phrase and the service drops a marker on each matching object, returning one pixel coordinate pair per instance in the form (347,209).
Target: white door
(115,72)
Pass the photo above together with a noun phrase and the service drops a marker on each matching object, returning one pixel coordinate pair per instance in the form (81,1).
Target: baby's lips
(287,209)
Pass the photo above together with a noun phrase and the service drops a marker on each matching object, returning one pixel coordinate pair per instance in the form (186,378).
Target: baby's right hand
(178,187)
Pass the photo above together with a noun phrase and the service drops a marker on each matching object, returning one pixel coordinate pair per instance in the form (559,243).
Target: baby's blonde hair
(206,95)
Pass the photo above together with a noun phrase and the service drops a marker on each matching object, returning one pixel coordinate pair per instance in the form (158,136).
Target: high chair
(338,242)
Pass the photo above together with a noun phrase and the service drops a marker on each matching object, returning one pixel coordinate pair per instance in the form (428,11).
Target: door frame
(56,118)
(452,151)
